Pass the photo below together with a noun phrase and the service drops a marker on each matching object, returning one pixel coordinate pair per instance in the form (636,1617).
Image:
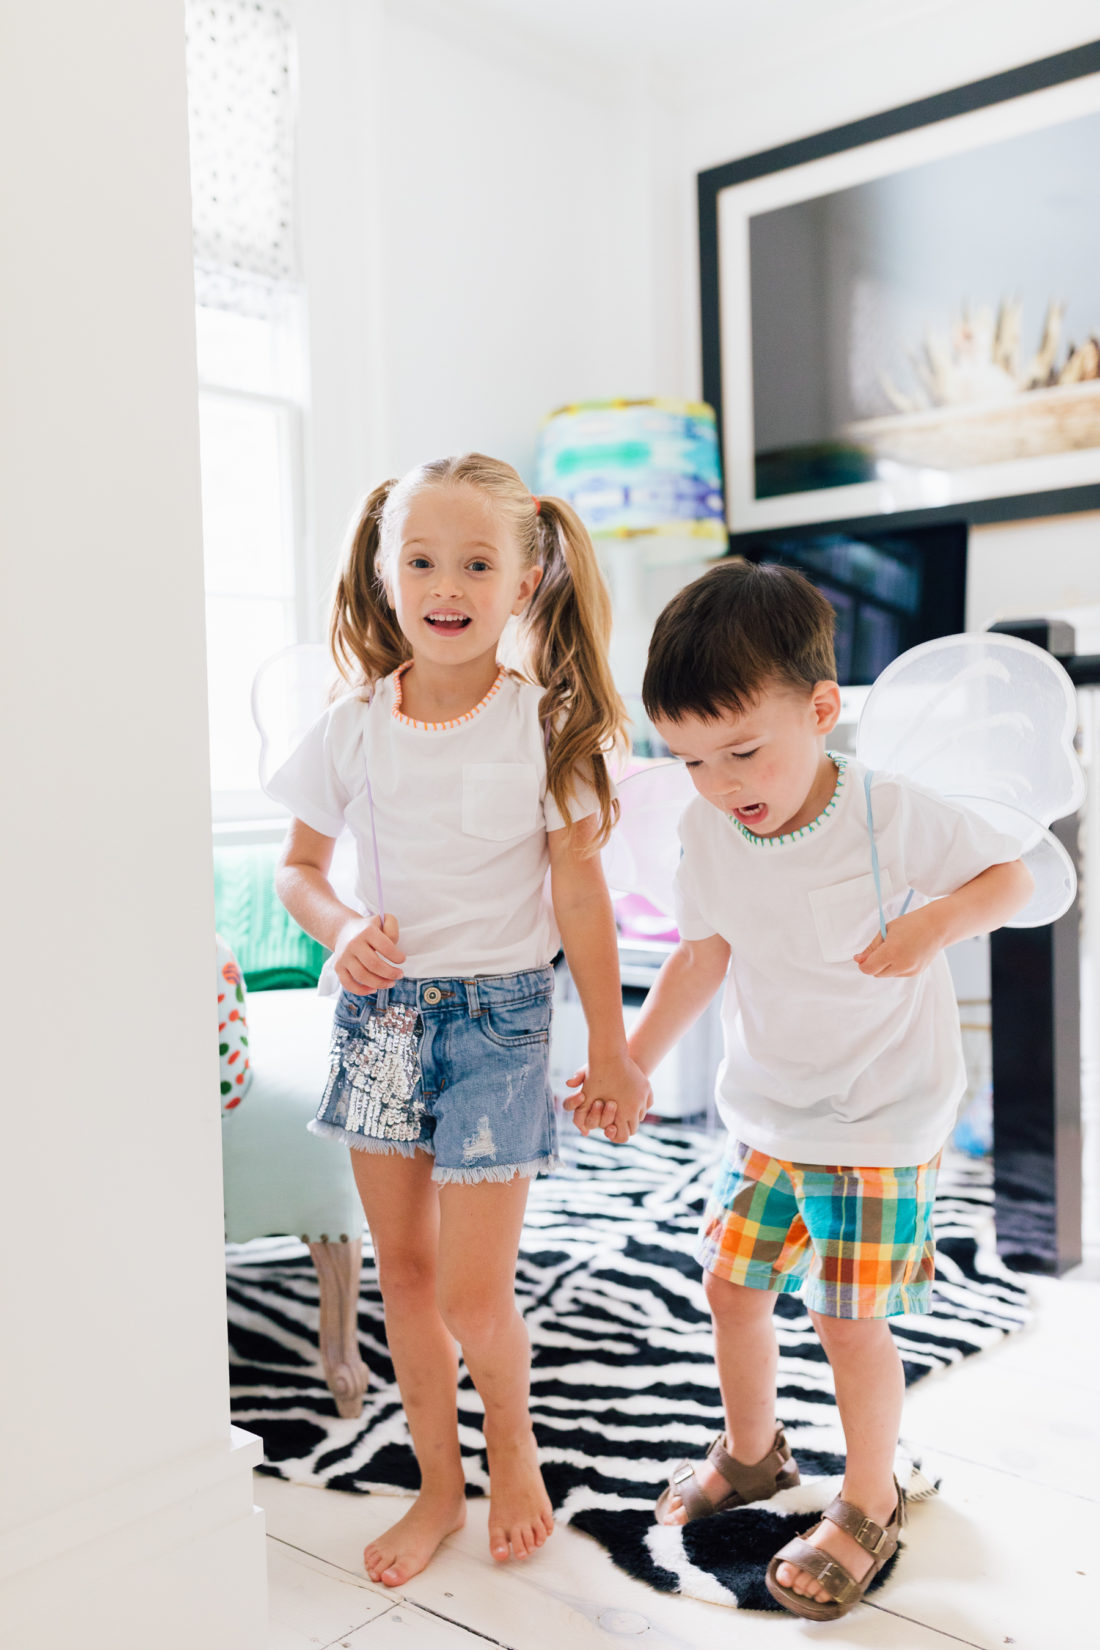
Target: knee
(735,1302)
(473,1316)
(843,1334)
(405,1274)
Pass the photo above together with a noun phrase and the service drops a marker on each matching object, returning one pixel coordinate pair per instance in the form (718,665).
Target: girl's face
(457,575)
(767,767)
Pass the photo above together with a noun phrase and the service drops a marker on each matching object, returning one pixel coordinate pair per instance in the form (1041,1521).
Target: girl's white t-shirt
(461,811)
(824,1064)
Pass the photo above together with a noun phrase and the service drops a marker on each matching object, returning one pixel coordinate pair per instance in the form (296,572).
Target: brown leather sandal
(757,1481)
(843,1589)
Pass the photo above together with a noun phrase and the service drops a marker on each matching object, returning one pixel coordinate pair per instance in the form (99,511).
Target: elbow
(287,878)
(704,960)
(284,875)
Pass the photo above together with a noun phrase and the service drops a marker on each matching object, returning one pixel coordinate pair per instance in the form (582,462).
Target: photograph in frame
(909,326)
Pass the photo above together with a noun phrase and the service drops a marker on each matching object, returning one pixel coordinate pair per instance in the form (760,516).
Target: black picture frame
(983,94)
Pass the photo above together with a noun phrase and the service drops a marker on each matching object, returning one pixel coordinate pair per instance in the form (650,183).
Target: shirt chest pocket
(500,800)
(846,915)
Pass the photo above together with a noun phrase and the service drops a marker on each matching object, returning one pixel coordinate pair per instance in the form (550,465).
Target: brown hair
(366,640)
(728,636)
(565,630)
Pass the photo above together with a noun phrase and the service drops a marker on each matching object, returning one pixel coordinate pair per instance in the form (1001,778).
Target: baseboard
(175,1558)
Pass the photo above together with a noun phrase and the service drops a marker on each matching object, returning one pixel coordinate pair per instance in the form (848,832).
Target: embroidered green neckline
(795,836)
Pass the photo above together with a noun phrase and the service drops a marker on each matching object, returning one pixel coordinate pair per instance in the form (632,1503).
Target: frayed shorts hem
(495,1172)
(366,1142)
(465,1176)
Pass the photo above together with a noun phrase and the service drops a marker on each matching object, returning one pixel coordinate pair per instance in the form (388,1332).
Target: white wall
(1025,569)
(477,231)
(125,1504)
(852,64)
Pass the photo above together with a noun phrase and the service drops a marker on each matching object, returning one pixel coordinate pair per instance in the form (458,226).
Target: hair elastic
(538,504)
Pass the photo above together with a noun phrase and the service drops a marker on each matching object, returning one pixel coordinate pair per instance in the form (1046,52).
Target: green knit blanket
(272,950)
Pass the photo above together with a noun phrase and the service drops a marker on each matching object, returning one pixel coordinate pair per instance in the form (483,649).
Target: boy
(843,1063)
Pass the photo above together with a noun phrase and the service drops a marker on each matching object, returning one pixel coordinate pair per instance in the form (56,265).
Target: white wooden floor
(1006,1555)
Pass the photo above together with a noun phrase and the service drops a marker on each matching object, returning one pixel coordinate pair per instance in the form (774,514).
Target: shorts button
(432,995)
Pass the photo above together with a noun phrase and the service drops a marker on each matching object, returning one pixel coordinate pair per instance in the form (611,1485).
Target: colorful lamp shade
(636,467)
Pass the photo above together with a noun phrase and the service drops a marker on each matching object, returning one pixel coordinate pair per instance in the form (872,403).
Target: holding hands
(612,1094)
(366,956)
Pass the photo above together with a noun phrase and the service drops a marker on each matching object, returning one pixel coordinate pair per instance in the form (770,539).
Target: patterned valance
(240,80)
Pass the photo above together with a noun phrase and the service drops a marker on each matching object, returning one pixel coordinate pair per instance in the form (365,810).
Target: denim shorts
(455,1068)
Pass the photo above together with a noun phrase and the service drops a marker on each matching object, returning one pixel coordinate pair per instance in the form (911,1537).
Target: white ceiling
(682,38)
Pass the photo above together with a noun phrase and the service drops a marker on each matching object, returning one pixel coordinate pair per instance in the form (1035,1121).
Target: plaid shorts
(858,1242)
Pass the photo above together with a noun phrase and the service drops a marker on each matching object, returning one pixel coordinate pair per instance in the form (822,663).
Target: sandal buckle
(682,1476)
(864,1530)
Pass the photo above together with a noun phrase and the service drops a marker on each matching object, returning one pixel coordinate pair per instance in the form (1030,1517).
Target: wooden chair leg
(347,1375)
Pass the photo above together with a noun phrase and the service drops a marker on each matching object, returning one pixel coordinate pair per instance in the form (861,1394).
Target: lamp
(645,478)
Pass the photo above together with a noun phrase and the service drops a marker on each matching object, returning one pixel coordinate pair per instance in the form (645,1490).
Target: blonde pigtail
(568,628)
(364,637)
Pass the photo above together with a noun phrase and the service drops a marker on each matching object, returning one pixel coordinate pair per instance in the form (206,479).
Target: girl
(464,783)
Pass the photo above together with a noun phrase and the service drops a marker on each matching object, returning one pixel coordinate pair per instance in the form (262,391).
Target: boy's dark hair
(728,636)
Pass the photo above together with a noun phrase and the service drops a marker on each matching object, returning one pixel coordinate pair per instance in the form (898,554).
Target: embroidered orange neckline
(439,727)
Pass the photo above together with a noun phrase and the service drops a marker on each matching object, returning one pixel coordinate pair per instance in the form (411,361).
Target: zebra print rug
(622,1378)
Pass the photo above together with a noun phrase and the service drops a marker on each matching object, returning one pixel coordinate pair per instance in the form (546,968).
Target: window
(251,359)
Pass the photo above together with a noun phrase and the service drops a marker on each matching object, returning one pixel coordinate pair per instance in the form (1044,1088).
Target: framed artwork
(901,317)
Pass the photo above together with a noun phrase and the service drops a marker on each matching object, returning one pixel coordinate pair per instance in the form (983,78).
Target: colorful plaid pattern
(857,1242)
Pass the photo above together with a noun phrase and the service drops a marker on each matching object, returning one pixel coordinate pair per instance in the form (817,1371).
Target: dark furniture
(1036,1017)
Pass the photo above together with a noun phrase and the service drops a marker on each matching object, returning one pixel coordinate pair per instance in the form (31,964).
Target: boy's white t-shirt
(461,811)
(824,1064)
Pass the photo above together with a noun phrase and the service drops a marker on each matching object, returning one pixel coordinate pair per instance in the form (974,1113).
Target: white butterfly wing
(644,850)
(289,692)
(988,721)
(978,716)
(1050,865)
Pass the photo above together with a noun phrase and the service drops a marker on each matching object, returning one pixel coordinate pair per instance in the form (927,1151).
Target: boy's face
(767,765)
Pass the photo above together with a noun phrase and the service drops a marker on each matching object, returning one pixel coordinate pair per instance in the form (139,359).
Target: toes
(374,1562)
(498,1545)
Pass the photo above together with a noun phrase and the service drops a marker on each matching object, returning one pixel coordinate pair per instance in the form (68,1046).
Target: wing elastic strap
(377,861)
(875,872)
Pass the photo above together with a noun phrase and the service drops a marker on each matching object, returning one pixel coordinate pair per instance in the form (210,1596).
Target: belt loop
(381,998)
(471,996)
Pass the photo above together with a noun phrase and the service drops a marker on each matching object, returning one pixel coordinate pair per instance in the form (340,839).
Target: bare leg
(479,1239)
(870,1386)
(402,1209)
(746,1353)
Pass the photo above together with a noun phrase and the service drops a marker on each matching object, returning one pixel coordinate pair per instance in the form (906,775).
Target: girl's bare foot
(839,1545)
(405,1548)
(520,1515)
